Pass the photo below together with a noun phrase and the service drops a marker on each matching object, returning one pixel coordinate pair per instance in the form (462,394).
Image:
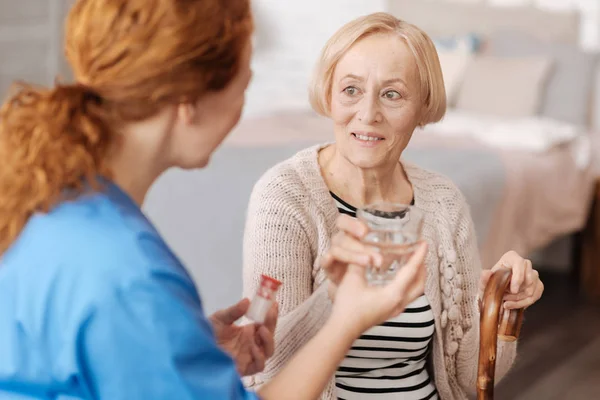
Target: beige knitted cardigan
(291,218)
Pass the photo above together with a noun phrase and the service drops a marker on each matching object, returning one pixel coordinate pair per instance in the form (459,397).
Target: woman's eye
(392,95)
(351,90)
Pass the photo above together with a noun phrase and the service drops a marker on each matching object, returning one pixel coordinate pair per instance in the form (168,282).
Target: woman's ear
(187,113)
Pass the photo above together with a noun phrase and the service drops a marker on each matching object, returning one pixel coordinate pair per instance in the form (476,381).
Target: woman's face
(212,119)
(375,100)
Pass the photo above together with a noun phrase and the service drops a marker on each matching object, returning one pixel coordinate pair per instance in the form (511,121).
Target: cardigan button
(452,348)
(444,320)
(458,279)
(446,302)
(454,313)
(459,332)
(449,273)
(446,289)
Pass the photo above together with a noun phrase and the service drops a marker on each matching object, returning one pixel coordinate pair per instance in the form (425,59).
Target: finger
(325,261)
(349,253)
(517,264)
(336,271)
(258,359)
(354,273)
(411,276)
(539,290)
(518,275)
(529,292)
(515,305)
(352,226)
(355,277)
(271,318)
(266,340)
(531,275)
(414,290)
(229,315)
(515,297)
(347,242)
(523,294)
(526,301)
(508,259)
(351,243)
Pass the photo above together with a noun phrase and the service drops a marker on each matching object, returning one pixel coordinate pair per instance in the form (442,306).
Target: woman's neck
(139,157)
(134,175)
(358,186)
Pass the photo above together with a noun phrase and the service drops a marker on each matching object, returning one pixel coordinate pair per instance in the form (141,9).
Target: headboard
(445,18)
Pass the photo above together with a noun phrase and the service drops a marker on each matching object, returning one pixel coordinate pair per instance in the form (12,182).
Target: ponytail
(50,141)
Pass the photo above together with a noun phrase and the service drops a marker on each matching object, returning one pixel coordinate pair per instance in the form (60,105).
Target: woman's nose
(369,111)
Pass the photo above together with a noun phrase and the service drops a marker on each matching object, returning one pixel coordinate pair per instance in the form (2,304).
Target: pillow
(455,53)
(507,87)
(533,134)
(454,65)
(570,85)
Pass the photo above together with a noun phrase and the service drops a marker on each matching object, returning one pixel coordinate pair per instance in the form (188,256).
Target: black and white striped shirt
(389,360)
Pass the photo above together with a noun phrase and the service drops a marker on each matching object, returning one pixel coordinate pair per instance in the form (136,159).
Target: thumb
(229,315)
(410,274)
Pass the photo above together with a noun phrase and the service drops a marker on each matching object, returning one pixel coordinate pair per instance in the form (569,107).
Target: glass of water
(394,231)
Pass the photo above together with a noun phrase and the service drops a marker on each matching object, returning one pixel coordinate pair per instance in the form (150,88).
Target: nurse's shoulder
(97,240)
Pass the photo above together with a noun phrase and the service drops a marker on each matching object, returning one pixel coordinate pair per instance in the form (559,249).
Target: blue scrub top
(94,305)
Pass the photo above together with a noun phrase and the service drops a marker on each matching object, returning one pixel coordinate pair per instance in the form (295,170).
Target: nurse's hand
(359,306)
(347,249)
(249,345)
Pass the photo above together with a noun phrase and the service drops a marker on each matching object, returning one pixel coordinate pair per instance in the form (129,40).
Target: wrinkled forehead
(379,58)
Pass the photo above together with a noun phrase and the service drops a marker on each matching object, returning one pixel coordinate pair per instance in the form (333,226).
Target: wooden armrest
(495,324)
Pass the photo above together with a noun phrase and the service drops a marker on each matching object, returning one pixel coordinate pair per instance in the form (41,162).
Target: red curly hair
(130,59)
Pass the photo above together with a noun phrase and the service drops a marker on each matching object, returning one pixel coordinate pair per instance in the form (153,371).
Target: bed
(530,195)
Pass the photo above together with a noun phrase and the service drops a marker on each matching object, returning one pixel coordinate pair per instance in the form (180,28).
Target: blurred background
(520,140)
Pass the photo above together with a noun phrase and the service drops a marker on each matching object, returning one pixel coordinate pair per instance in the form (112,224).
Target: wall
(30,41)
(590,16)
(291,34)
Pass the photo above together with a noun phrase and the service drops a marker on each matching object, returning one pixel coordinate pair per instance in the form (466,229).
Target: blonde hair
(433,92)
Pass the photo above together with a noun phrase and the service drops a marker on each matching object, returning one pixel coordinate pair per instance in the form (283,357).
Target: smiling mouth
(366,137)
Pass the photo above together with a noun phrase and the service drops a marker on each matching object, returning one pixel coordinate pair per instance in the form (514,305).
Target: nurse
(93,303)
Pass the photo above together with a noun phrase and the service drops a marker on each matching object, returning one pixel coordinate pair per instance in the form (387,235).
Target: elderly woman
(378,79)
(93,303)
